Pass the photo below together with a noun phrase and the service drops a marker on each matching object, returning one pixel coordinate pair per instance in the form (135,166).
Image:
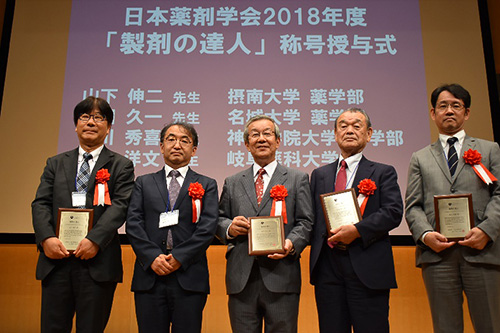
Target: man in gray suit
(471,265)
(264,287)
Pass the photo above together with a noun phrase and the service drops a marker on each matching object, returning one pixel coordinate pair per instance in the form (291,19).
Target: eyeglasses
(172,140)
(454,106)
(98,118)
(266,134)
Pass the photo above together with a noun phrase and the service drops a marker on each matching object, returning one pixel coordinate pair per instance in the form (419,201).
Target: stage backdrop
(215,64)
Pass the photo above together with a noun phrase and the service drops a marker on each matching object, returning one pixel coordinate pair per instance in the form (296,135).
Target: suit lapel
(469,143)
(330,177)
(439,157)
(190,178)
(104,158)
(365,170)
(278,178)
(249,187)
(161,184)
(70,169)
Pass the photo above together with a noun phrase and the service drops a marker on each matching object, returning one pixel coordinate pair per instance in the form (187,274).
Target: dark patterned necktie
(174,188)
(341,181)
(259,185)
(173,192)
(83,176)
(452,155)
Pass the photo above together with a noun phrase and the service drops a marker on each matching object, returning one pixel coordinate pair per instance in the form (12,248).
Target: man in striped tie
(82,281)
(470,265)
(264,290)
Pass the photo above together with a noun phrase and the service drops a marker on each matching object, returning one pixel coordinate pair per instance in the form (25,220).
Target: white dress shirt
(351,169)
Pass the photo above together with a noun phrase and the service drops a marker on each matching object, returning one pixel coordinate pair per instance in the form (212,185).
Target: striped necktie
(452,155)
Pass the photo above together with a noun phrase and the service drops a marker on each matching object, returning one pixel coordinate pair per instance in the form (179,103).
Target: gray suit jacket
(429,175)
(239,199)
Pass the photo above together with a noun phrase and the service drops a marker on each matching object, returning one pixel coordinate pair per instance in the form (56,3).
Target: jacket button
(453,190)
(163,242)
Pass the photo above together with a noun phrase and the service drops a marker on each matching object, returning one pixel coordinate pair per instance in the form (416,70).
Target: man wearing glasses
(83,280)
(264,287)
(171,222)
(457,164)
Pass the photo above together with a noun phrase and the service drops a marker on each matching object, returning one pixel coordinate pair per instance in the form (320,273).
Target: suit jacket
(190,240)
(429,175)
(371,255)
(239,199)
(55,191)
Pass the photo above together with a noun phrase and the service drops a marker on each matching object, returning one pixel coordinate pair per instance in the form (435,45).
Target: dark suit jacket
(239,199)
(371,255)
(56,185)
(429,175)
(191,240)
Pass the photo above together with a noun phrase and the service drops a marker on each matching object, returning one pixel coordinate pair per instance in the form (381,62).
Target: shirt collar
(269,168)
(351,160)
(95,153)
(460,135)
(182,170)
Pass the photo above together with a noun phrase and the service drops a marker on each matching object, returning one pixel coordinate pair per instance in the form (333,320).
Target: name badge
(78,199)
(169,218)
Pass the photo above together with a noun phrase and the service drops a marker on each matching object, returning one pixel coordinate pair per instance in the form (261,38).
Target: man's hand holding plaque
(86,249)
(343,235)
(54,248)
(239,226)
(476,239)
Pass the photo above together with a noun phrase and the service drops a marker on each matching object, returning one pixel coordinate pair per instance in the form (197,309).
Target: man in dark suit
(171,222)
(352,268)
(264,287)
(84,281)
(471,265)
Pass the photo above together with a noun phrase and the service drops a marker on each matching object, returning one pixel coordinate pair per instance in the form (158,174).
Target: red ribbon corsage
(196,192)
(473,157)
(101,193)
(366,188)
(279,193)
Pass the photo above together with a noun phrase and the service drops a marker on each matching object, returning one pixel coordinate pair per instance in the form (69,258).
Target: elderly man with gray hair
(267,287)
(351,265)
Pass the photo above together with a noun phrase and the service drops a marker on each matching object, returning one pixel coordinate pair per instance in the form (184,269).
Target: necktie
(259,185)
(83,176)
(341,181)
(174,188)
(173,192)
(452,155)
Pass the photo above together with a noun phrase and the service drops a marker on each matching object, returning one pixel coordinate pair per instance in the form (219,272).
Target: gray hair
(260,117)
(368,121)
